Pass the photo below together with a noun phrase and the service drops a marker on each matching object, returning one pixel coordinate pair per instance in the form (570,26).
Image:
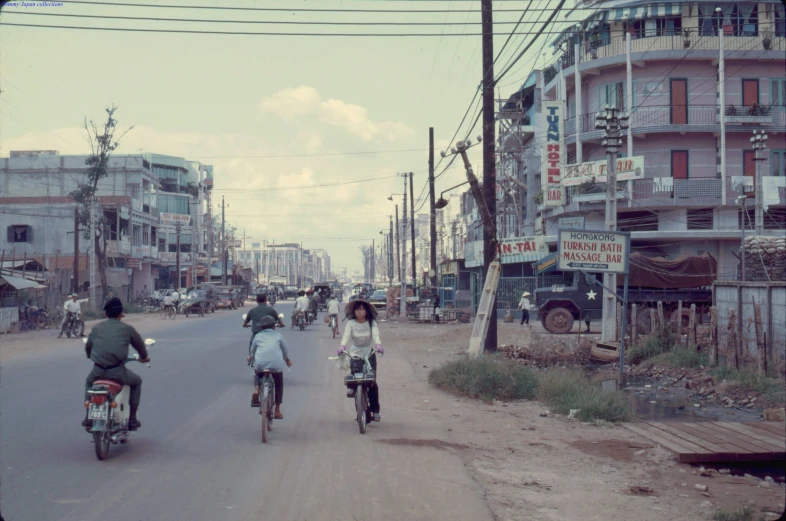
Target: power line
(292,10)
(242,33)
(301,187)
(272,22)
(315,155)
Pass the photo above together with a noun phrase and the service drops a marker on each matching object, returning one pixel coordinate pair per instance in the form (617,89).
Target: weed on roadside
(689,356)
(563,390)
(487,378)
(744,513)
(749,380)
(653,346)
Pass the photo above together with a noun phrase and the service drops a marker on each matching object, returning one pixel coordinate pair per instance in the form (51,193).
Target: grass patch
(687,357)
(487,378)
(651,348)
(563,390)
(749,380)
(744,513)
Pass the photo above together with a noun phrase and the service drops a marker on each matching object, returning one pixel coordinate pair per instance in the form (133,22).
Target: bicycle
(334,325)
(267,396)
(362,377)
(167,312)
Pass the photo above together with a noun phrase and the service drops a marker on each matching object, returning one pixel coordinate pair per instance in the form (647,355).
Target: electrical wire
(243,33)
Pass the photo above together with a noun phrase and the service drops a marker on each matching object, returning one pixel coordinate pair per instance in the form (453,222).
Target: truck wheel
(559,320)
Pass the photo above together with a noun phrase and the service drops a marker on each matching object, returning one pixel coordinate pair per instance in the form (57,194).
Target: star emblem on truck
(591,295)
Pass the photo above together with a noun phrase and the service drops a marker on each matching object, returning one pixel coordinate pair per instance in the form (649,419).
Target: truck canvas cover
(686,271)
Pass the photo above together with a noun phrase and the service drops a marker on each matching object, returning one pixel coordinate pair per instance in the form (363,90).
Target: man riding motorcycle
(313,304)
(268,351)
(70,308)
(107,347)
(255,316)
(301,304)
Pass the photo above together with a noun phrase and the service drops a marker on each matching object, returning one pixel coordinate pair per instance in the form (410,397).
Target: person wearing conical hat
(525,306)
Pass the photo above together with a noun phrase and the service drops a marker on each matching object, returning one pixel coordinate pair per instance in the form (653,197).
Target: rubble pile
(545,354)
(765,256)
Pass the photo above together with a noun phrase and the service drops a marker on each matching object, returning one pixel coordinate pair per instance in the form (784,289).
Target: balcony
(121,247)
(667,191)
(607,51)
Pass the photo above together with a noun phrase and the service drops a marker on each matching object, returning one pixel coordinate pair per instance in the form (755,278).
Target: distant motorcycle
(109,410)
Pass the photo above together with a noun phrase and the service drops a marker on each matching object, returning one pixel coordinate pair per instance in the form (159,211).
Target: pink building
(695,80)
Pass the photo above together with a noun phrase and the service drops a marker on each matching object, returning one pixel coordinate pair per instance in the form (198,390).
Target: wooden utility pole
(75,278)
(761,345)
(398,248)
(432,203)
(391,264)
(177,256)
(223,244)
(489,160)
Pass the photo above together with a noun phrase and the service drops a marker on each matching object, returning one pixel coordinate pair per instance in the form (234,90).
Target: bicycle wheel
(163,313)
(271,400)
(263,412)
(172,313)
(360,405)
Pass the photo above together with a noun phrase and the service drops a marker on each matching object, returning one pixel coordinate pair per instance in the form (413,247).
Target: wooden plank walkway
(707,442)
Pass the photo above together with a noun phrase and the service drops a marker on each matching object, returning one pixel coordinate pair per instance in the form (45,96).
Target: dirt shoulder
(551,468)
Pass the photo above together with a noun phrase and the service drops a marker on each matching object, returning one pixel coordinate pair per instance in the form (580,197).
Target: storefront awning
(20,283)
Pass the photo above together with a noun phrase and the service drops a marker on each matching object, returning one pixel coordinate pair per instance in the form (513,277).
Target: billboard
(628,168)
(601,252)
(553,153)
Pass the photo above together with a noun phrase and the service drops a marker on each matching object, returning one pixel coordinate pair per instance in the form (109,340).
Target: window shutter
(10,234)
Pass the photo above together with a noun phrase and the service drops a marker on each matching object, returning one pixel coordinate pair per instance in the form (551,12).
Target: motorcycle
(75,326)
(301,320)
(109,410)
(272,299)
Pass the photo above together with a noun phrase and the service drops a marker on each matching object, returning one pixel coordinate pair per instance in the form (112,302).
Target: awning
(20,283)
(641,12)
(546,264)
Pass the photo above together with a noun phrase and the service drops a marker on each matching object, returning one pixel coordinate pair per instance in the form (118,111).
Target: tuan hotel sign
(553,153)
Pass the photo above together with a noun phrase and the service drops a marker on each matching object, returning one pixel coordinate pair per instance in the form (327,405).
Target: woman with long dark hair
(361,334)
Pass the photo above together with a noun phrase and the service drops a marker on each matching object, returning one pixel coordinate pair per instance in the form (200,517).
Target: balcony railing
(645,42)
(654,115)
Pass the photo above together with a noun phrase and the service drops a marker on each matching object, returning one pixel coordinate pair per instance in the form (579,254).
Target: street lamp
(441,202)
(759,142)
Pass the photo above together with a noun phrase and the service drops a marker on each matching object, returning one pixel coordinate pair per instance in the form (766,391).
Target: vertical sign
(553,154)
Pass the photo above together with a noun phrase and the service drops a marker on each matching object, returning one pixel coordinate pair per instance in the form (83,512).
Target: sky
(274,115)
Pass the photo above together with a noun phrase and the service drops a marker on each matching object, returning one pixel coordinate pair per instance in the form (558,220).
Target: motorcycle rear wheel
(101,443)
(78,329)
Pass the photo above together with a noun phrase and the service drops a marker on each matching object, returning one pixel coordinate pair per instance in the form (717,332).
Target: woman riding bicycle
(361,333)
(268,351)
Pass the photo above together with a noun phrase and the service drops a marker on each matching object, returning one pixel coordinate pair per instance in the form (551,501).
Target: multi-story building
(299,267)
(138,201)
(695,79)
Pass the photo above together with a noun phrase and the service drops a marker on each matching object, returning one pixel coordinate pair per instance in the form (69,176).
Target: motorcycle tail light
(87,404)
(98,399)
(113,405)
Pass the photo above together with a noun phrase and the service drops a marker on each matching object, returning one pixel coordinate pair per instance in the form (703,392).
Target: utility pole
(373,261)
(433,216)
(613,126)
(390,252)
(412,215)
(489,159)
(177,256)
(75,278)
(404,235)
(398,245)
(223,244)
(92,245)
(759,142)
(453,235)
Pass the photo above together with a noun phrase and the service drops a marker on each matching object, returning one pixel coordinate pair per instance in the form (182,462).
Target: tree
(102,145)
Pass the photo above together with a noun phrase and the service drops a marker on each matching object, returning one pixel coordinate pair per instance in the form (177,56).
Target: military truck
(687,278)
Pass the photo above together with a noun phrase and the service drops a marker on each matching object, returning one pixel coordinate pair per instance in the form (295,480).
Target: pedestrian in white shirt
(362,335)
(525,306)
(70,308)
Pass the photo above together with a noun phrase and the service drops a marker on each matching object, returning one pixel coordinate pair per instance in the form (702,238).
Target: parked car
(379,299)
(290,292)
(211,297)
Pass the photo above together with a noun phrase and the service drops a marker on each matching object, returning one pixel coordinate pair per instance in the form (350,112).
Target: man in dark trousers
(254,317)
(436,305)
(107,347)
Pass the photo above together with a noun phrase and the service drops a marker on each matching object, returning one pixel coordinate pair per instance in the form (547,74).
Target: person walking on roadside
(525,306)
(436,307)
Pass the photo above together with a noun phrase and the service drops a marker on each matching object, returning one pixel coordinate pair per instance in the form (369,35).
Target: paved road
(199,457)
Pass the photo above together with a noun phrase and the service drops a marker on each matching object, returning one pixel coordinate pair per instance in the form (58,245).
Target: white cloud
(304,104)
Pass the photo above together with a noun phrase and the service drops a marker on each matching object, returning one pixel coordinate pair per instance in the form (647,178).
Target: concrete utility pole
(223,244)
(398,245)
(412,218)
(759,142)
(92,245)
(404,234)
(489,159)
(613,126)
(75,278)
(178,227)
(390,252)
